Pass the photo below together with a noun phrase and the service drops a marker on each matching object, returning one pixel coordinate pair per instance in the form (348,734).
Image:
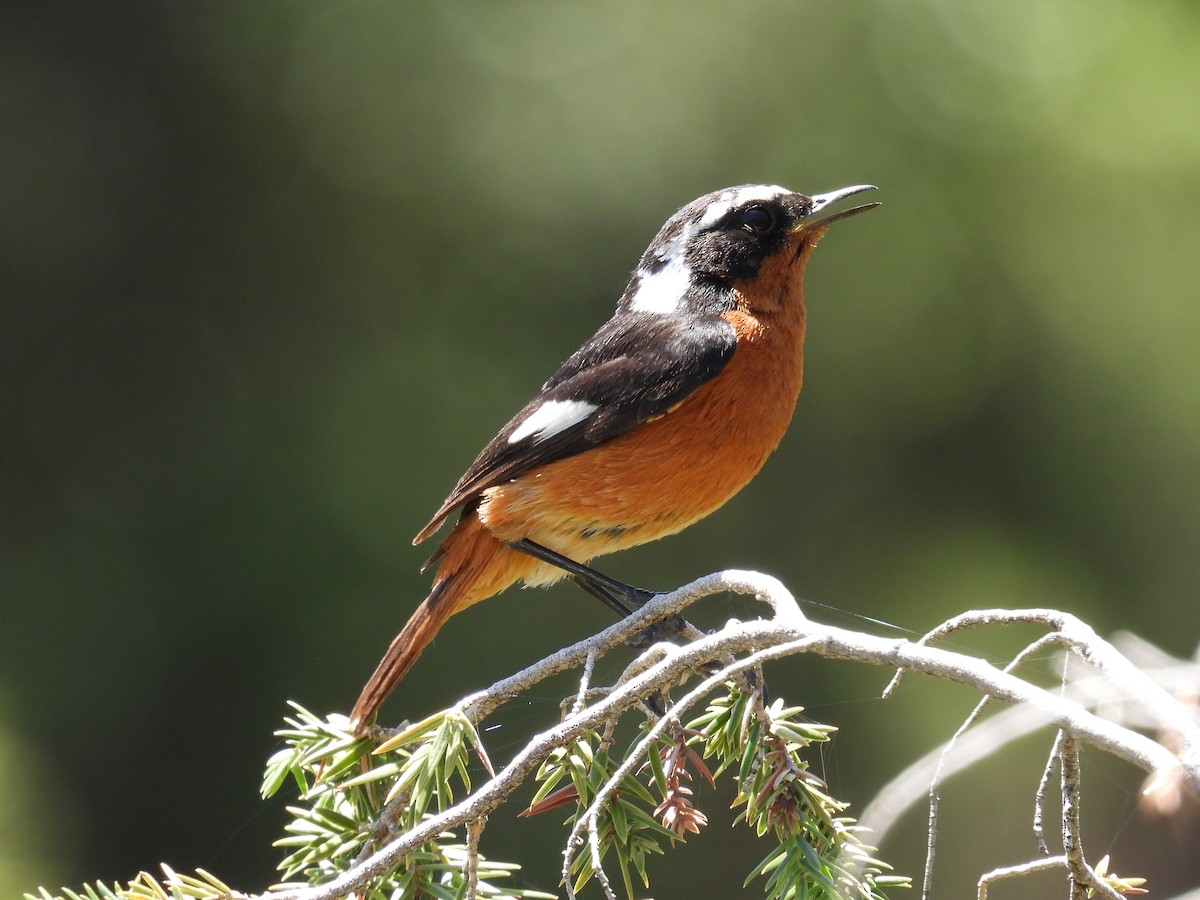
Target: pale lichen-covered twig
(787,633)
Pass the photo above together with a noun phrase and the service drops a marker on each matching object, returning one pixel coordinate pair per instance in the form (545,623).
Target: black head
(723,238)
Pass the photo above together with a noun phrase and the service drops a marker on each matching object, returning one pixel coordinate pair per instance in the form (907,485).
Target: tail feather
(472,566)
(425,622)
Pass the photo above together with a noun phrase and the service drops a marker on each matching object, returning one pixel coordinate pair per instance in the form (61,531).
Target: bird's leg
(622,598)
(602,594)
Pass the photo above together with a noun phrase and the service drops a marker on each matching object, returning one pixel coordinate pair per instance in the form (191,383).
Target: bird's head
(726,239)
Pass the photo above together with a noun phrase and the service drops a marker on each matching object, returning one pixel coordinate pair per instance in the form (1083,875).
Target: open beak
(813,222)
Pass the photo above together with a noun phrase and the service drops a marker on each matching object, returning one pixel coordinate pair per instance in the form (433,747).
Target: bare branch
(935,783)
(992,735)
(1019,871)
(1084,880)
(1084,641)
(787,633)
(471,863)
(1043,791)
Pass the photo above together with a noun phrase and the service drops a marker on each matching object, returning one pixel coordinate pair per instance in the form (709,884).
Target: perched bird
(656,421)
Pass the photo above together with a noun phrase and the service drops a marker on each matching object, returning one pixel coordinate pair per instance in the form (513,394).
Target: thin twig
(670,719)
(593,840)
(1037,865)
(585,680)
(1072,822)
(787,634)
(936,782)
(1083,639)
(1084,879)
(762,587)
(1043,791)
(931,832)
(471,863)
(911,786)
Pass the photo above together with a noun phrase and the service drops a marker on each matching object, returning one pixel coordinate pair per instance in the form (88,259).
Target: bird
(657,420)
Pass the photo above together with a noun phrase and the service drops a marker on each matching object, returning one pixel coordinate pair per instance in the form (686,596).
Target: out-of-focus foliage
(274,271)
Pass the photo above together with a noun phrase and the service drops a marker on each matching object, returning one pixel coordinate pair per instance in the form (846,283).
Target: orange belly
(664,474)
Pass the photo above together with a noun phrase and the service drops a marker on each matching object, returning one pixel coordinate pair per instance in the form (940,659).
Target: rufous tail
(473,566)
(424,623)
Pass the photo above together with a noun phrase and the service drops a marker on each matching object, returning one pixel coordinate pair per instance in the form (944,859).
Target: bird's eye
(758,220)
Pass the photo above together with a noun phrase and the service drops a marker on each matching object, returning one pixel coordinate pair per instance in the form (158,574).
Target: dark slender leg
(623,598)
(601,594)
(618,595)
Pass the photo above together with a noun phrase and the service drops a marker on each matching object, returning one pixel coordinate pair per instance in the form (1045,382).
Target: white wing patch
(550,418)
(662,291)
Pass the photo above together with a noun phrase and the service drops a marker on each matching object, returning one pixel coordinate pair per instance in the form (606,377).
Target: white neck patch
(662,291)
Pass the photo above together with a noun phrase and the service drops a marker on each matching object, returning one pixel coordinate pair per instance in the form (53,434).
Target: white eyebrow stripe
(551,418)
(733,198)
(662,291)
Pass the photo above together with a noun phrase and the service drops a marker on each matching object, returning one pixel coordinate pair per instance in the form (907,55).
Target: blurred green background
(275,271)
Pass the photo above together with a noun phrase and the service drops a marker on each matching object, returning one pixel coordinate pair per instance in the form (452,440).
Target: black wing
(635,368)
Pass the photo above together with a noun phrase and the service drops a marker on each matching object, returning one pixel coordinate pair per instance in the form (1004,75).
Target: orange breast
(665,474)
